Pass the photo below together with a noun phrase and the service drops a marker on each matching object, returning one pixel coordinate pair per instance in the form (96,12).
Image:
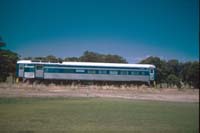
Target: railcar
(85,71)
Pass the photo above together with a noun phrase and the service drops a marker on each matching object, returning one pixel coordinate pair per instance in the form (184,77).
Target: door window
(39,67)
(151,70)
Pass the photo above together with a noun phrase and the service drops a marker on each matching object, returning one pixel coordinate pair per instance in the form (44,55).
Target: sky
(133,29)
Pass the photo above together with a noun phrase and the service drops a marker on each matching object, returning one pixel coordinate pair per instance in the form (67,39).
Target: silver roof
(90,64)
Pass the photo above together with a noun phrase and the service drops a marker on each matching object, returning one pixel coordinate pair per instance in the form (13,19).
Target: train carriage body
(85,71)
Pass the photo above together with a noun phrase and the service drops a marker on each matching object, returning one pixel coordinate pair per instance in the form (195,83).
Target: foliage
(174,72)
(71,59)
(7,63)
(86,57)
(174,67)
(96,57)
(190,73)
(173,80)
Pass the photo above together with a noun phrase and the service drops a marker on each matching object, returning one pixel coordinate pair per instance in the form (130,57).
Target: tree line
(87,56)
(171,72)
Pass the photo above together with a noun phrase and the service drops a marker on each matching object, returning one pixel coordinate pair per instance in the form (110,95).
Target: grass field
(29,115)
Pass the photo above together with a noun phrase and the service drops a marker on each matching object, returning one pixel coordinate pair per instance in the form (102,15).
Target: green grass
(29,115)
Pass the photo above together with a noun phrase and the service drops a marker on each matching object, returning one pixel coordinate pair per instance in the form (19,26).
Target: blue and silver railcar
(86,71)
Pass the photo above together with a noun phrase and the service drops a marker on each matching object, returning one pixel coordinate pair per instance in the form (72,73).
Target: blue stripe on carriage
(85,71)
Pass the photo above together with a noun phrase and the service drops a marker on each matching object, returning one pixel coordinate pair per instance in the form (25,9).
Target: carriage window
(21,67)
(113,72)
(91,71)
(123,72)
(142,73)
(102,72)
(135,73)
(80,70)
(29,69)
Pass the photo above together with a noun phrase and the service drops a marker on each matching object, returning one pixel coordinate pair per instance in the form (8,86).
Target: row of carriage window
(89,71)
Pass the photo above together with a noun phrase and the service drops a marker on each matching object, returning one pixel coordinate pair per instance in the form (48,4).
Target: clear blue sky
(133,29)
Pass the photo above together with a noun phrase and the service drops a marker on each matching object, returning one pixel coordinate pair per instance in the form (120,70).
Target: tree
(194,74)
(96,57)
(173,67)
(8,61)
(161,68)
(190,73)
(114,59)
(173,80)
(71,59)
(51,58)
(90,57)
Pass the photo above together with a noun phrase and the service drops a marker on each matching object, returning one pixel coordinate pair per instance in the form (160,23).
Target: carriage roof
(89,64)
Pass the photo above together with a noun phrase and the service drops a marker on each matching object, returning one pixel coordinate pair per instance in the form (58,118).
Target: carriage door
(39,72)
(21,70)
(152,74)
